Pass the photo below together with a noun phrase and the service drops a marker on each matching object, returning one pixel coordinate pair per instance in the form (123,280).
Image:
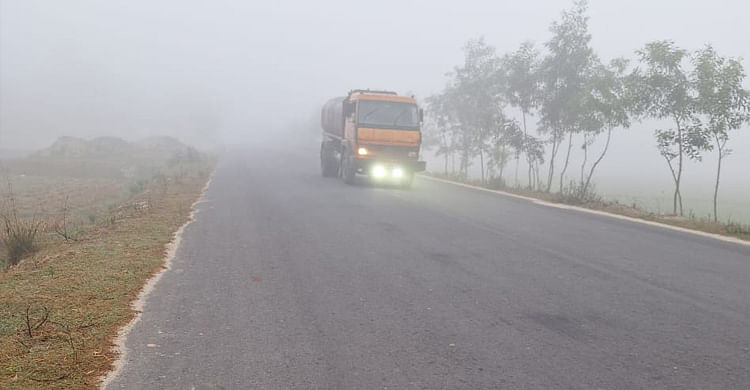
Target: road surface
(288,280)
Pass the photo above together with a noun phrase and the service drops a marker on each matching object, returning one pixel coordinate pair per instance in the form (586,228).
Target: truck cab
(373,133)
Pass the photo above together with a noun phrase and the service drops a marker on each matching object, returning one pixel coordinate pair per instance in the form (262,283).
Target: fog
(219,72)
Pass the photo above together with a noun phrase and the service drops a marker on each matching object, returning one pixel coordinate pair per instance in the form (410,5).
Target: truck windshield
(383,114)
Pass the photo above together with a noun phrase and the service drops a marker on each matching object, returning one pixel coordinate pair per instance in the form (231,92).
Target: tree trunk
(518,158)
(502,168)
(526,145)
(598,160)
(674,178)
(532,176)
(555,146)
(585,156)
(481,164)
(465,163)
(720,148)
(567,159)
(678,179)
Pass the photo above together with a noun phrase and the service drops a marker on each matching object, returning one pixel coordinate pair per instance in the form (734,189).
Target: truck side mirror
(421,115)
(348,108)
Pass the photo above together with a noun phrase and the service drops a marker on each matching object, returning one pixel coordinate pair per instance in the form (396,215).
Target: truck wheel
(408,181)
(348,170)
(328,167)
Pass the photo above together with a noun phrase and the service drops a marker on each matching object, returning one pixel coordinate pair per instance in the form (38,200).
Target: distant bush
(735,228)
(496,183)
(138,187)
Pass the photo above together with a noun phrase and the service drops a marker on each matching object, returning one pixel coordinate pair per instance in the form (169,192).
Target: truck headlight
(397,173)
(378,171)
(362,151)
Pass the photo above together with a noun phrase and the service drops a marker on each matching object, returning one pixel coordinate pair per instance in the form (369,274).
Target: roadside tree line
(542,104)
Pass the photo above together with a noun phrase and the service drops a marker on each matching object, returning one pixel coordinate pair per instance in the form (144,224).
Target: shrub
(19,236)
(574,194)
(138,187)
(496,183)
(737,228)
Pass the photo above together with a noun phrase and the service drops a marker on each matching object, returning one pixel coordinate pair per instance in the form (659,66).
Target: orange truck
(373,133)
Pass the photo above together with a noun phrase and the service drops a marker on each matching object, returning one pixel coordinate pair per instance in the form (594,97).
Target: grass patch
(61,307)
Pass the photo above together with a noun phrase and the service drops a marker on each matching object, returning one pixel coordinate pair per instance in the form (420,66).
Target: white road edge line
(137,305)
(596,212)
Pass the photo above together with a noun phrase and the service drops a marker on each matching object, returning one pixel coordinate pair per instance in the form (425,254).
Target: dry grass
(61,308)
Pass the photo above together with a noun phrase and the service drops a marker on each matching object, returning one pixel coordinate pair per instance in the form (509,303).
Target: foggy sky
(193,67)
(226,71)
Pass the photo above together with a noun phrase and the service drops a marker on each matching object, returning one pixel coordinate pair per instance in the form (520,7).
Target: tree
(515,138)
(440,128)
(507,140)
(459,111)
(478,106)
(722,103)
(663,90)
(563,73)
(534,148)
(521,88)
(608,105)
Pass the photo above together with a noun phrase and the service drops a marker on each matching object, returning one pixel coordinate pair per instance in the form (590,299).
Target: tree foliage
(564,74)
(522,90)
(470,112)
(722,104)
(482,115)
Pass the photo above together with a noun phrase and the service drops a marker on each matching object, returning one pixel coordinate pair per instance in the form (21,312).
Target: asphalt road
(288,280)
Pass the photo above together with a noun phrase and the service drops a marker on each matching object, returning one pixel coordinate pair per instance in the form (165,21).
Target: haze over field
(229,72)
(343,194)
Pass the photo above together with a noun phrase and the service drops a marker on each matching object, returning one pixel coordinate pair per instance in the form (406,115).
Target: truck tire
(348,170)
(408,181)
(328,166)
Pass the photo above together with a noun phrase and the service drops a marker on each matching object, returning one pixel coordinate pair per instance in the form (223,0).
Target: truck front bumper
(368,166)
